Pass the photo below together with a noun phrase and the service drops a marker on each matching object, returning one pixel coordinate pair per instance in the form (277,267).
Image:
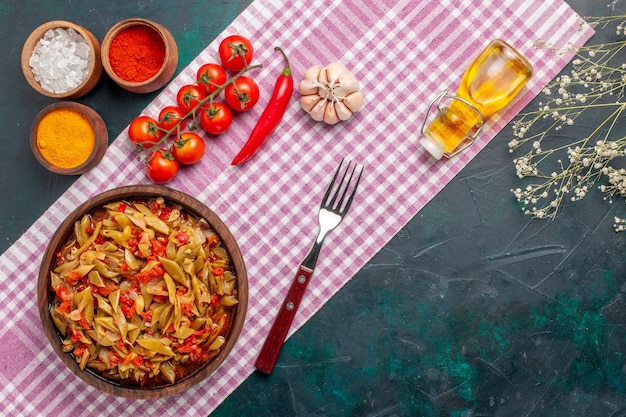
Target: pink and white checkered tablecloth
(404,53)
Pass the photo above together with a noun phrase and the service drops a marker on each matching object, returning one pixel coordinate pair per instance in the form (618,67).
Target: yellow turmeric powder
(65,138)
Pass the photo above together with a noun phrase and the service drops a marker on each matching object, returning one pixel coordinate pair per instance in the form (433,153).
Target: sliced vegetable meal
(143,292)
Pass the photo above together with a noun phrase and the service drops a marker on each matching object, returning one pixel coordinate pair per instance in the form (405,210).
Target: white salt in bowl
(65,40)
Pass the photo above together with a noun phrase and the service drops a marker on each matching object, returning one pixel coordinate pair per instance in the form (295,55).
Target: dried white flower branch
(571,170)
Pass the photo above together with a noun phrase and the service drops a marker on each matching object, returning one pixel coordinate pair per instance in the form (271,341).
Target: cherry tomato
(189,96)
(243,94)
(215,118)
(162,167)
(144,132)
(211,76)
(188,148)
(171,116)
(235,52)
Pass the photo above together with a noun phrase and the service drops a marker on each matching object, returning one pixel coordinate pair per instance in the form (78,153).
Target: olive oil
(493,79)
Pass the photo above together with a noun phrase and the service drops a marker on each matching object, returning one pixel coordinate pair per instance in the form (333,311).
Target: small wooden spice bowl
(67,232)
(95,123)
(94,72)
(132,80)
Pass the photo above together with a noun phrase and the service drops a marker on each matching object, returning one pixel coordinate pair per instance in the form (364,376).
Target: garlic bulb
(331,93)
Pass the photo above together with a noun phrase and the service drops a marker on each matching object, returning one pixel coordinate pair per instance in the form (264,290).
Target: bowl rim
(100,133)
(37,34)
(195,207)
(114,31)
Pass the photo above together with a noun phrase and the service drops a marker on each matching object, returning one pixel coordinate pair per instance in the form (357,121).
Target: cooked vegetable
(143,293)
(330,94)
(272,115)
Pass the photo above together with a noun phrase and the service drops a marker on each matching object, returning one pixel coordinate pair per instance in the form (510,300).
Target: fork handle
(276,337)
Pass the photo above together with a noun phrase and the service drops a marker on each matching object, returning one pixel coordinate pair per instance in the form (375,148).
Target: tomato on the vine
(144,132)
(171,116)
(215,118)
(242,94)
(235,52)
(189,96)
(162,167)
(188,148)
(211,76)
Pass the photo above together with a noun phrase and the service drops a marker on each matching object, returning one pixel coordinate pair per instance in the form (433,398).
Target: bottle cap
(431,147)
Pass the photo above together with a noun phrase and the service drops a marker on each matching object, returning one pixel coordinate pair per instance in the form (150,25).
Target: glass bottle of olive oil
(493,79)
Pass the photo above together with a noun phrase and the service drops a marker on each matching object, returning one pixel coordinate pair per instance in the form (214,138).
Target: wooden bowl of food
(142,292)
(68,138)
(61,60)
(140,55)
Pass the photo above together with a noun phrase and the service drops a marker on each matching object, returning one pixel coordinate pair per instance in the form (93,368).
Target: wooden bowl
(66,231)
(95,65)
(160,78)
(101,138)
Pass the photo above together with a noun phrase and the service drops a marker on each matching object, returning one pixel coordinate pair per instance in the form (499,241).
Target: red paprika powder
(137,53)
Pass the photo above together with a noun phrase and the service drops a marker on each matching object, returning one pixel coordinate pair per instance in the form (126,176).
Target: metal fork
(334,206)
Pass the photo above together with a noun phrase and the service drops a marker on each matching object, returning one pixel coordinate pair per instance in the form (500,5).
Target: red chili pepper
(160,299)
(158,247)
(272,115)
(73,277)
(165,212)
(186,308)
(64,307)
(146,276)
(75,335)
(215,300)
(80,350)
(137,361)
(84,323)
(114,357)
(183,237)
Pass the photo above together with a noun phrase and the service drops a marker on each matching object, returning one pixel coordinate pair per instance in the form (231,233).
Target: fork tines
(342,187)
